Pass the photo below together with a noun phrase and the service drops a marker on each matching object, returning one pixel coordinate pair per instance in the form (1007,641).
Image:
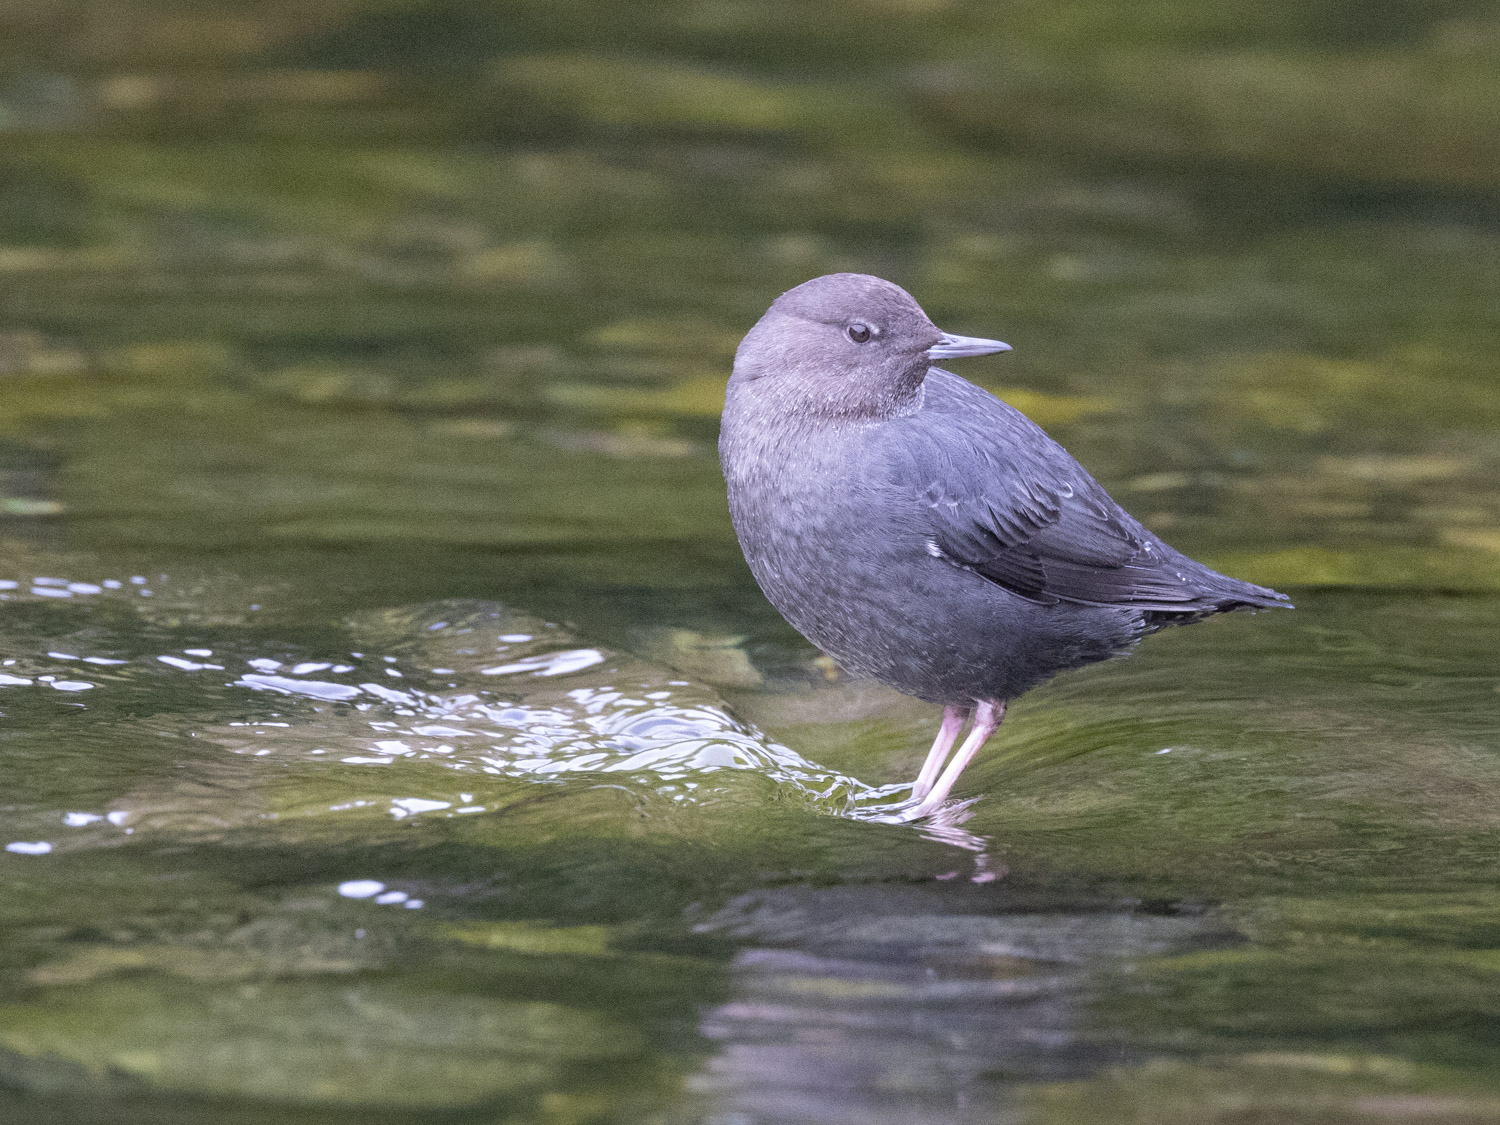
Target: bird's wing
(995,495)
(1049,544)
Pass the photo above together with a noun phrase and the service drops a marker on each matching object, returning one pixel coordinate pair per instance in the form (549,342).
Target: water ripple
(438,697)
(432,711)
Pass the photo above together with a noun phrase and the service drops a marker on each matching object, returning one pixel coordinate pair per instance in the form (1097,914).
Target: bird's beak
(956,347)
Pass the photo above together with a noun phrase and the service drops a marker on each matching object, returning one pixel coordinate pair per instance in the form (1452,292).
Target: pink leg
(954,719)
(987,717)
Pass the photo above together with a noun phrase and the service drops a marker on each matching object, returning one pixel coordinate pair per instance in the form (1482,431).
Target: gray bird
(921,531)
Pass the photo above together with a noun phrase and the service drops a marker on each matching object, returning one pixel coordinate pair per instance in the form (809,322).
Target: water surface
(391,730)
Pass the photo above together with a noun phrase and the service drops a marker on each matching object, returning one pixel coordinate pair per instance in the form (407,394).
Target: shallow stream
(390,730)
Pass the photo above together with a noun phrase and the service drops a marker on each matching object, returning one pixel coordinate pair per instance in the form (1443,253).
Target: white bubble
(390,695)
(405,806)
(22,847)
(318,689)
(360,888)
(553,664)
(179,662)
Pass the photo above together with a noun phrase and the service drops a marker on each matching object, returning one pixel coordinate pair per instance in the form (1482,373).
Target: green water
(391,731)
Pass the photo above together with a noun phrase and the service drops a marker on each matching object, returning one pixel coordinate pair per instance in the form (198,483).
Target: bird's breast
(826,541)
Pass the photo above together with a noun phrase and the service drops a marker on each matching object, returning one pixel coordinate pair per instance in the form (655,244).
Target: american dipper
(923,532)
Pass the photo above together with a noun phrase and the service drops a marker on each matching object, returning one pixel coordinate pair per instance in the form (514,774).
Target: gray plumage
(917,528)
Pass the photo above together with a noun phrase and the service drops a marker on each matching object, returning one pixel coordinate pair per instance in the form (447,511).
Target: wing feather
(1002,499)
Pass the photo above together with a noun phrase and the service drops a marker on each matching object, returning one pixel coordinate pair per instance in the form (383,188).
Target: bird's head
(846,345)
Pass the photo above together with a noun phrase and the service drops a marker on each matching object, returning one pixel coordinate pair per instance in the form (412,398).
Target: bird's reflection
(945,826)
(907,1004)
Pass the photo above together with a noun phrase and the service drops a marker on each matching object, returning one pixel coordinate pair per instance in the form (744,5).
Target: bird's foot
(921,806)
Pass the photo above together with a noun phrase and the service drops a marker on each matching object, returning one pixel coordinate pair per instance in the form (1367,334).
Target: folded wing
(998,497)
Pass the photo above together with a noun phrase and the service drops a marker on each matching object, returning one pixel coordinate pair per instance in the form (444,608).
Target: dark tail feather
(1222,594)
(1234,593)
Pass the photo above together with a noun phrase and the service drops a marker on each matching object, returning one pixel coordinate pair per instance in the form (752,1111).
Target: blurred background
(314,310)
(316,272)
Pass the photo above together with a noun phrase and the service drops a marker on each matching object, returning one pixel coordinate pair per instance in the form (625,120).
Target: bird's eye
(859,333)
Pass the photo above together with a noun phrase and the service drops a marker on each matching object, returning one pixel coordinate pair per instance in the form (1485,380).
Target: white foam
(360,888)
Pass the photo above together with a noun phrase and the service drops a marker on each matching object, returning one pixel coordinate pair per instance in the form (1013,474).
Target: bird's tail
(1221,594)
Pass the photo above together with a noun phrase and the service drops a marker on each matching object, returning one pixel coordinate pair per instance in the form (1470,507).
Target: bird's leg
(954,719)
(987,716)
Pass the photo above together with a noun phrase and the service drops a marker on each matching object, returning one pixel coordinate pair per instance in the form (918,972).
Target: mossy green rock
(305,1041)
